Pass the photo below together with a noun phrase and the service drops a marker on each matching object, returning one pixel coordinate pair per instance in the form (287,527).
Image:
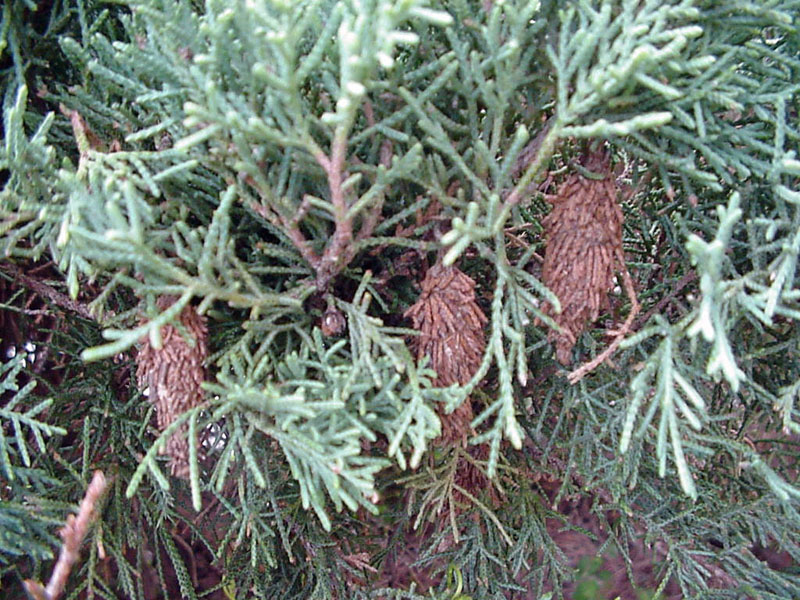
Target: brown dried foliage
(451,325)
(174,374)
(584,246)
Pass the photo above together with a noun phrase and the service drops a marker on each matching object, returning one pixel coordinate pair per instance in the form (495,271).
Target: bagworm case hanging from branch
(174,375)
(451,325)
(584,244)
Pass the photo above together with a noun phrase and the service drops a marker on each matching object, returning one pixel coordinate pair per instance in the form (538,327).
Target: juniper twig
(47,291)
(72,533)
(579,373)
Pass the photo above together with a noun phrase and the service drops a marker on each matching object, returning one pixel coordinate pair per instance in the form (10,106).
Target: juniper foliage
(274,163)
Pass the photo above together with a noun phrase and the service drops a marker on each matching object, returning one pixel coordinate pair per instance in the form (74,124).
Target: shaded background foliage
(281,167)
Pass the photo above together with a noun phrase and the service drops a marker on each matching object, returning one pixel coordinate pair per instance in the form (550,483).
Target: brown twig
(359,560)
(73,533)
(189,555)
(340,249)
(46,291)
(579,373)
(370,222)
(291,227)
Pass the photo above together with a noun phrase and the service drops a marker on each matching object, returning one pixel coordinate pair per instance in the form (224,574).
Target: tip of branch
(36,590)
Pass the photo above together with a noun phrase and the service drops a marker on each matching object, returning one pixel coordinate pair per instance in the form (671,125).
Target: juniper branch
(339,252)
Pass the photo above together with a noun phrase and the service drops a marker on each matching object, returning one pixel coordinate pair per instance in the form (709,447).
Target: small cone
(451,325)
(333,322)
(174,375)
(584,239)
